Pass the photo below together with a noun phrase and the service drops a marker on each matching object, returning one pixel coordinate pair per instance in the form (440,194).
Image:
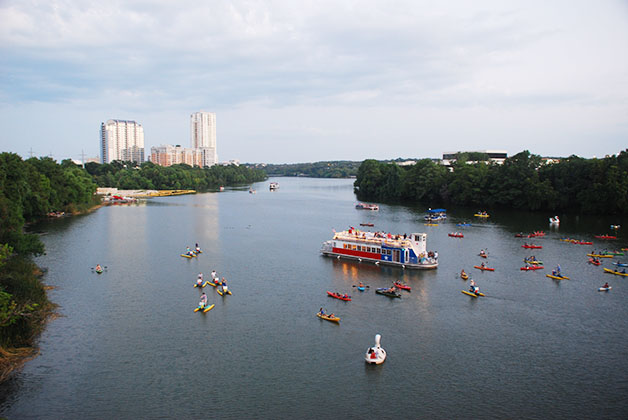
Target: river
(128,344)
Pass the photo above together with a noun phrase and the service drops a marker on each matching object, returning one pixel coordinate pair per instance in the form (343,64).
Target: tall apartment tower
(121,140)
(203,136)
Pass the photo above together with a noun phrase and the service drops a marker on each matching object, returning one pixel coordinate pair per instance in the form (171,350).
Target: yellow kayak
(557,277)
(481,215)
(472,294)
(608,270)
(188,256)
(206,309)
(600,255)
(328,318)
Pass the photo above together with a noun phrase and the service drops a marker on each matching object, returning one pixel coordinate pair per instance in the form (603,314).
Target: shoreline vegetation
(523,182)
(37,188)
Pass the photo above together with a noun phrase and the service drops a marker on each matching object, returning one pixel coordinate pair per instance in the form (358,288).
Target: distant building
(497,156)
(121,140)
(167,155)
(203,136)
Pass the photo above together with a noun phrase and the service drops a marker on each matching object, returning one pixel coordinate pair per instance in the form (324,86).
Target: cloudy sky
(303,81)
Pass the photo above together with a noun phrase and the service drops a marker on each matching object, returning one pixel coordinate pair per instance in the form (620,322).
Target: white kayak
(604,289)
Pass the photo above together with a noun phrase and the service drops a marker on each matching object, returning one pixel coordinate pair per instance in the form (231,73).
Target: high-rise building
(203,136)
(121,140)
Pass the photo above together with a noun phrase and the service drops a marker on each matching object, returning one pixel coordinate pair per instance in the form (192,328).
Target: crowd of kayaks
(219,284)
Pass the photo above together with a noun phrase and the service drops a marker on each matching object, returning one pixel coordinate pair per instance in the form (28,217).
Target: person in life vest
(203,301)
(224,285)
(473,288)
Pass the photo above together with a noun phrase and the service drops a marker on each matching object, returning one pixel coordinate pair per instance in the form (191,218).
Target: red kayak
(594,262)
(482,255)
(605,237)
(337,296)
(532,246)
(479,267)
(456,235)
(402,286)
(536,267)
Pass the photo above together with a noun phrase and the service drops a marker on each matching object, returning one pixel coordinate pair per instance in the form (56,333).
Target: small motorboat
(375,355)
(388,292)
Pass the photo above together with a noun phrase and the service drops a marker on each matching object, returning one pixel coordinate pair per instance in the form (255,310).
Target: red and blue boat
(406,251)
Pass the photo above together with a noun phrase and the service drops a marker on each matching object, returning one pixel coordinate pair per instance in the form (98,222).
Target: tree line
(131,176)
(524,181)
(331,169)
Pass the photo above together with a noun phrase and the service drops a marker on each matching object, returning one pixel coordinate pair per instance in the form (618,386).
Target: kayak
(385,292)
(617,273)
(600,255)
(99,271)
(604,289)
(532,261)
(456,235)
(479,267)
(605,236)
(618,264)
(466,292)
(206,309)
(582,243)
(481,215)
(536,267)
(402,286)
(328,317)
(361,288)
(202,284)
(188,256)
(222,293)
(483,255)
(551,276)
(338,296)
(532,246)
(464,276)
(594,262)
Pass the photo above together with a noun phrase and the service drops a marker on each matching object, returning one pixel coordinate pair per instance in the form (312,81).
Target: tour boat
(436,215)
(380,248)
(365,206)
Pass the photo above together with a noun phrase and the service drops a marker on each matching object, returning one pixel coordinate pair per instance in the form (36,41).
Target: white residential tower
(121,140)
(203,136)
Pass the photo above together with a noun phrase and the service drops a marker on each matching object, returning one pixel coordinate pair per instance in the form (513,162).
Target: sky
(306,81)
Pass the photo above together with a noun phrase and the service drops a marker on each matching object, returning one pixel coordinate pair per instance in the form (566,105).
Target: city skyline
(321,80)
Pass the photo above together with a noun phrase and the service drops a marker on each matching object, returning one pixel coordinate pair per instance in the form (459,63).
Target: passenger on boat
(224,285)
(331,315)
(321,311)
(199,281)
(213,274)
(360,284)
(203,301)
(200,276)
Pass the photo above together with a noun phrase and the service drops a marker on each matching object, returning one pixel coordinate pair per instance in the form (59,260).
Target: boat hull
(427,266)
(551,276)
(328,318)
(475,295)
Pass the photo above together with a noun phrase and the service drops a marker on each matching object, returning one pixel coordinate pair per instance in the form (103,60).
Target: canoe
(551,276)
(464,276)
(532,261)
(221,293)
(617,273)
(402,286)
(328,318)
(387,293)
(479,267)
(466,292)
(536,267)
(604,289)
(206,309)
(337,296)
(532,246)
(600,255)
(582,243)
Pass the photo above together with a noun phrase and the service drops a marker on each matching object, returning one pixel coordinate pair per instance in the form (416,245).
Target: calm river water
(128,344)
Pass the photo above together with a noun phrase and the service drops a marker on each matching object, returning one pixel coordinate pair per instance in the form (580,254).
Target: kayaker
(98,267)
(199,282)
(482,265)
(462,273)
(360,284)
(224,285)
(203,301)
(331,315)
(606,286)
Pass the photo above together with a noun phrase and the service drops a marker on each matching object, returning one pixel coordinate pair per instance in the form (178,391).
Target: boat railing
(400,243)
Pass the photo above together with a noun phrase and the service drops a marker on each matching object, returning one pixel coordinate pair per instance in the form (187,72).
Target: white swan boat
(375,355)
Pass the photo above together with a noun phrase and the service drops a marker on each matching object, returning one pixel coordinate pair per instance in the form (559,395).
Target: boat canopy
(437,211)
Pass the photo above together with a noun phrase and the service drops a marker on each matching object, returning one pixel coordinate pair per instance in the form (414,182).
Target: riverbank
(24,312)
(110,192)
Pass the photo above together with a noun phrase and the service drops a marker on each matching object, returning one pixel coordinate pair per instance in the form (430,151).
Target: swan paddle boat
(375,355)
